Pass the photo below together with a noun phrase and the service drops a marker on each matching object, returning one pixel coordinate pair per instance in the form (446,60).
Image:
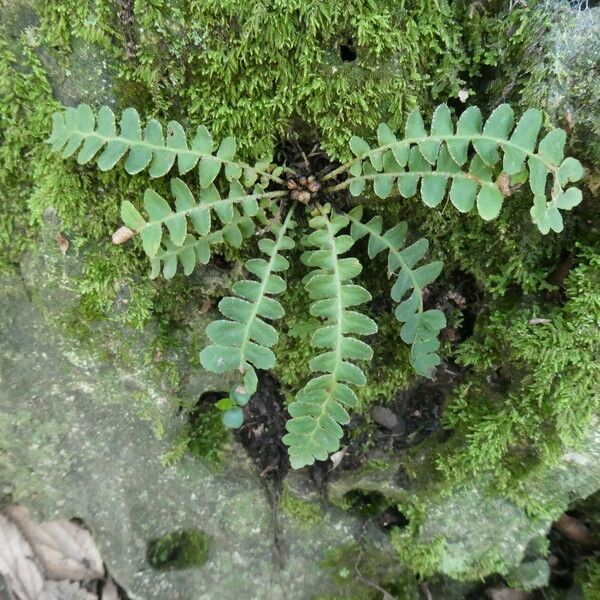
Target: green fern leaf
(198,250)
(420,327)
(77,129)
(466,163)
(319,410)
(188,211)
(243,339)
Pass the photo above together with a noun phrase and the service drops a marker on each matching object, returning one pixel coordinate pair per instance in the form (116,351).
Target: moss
(543,377)
(229,64)
(265,72)
(423,559)
(306,514)
(353,568)
(543,55)
(181,549)
(588,579)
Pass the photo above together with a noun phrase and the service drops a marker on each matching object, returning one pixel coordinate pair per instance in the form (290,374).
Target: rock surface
(74,445)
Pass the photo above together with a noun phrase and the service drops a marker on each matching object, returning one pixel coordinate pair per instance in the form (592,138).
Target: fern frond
(199,214)
(197,250)
(473,163)
(420,327)
(77,129)
(243,340)
(319,408)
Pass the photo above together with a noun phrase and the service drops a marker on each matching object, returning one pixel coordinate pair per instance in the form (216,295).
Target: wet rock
(530,575)
(574,86)
(474,531)
(301,484)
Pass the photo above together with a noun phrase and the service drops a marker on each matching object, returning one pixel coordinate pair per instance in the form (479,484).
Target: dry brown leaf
(17,563)
(503,184)
(337,457)
(121,235)
(62,241)
(504,593)
(206,304)
(539,321)
(65,549)
(110,591)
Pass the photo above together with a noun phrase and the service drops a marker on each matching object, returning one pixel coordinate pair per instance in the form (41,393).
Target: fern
(77,129)
(243,341)
(318,412)
(475,164)
(420,327)
(482,177)
(161,216)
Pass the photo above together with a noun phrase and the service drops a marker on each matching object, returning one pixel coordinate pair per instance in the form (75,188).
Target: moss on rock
(181,549)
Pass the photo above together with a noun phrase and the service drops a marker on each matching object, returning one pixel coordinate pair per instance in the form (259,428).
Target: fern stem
(440,138)
(221,202)
(338,284)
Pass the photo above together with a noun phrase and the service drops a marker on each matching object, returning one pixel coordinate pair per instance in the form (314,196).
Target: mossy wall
(318,71)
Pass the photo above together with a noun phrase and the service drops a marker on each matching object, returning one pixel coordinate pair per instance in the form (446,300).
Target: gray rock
(74,445)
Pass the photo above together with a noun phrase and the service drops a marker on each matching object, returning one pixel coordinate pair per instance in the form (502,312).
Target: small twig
(368,582)
(268,469)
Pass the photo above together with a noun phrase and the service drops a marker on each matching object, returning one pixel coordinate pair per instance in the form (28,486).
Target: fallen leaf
(62,241)
(17,563)
(206,304)
(503,184)
(110,591)
(65,549)
(538,321)
(337,457)
(569,120)
(66,590)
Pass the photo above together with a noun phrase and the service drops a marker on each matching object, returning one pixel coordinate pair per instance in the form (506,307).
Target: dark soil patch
(418,411)
(264,426)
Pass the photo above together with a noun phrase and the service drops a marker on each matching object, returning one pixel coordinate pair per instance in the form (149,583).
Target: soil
(264,427)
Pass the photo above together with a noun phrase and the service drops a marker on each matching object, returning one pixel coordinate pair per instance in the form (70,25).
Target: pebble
(384,416)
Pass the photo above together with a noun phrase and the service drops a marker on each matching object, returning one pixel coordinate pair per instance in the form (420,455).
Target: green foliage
(204,435)
(25,105)
(242,342)
(265,64)
(420,327)
(589,579)
(441,156)
(307,514)
(181,246)
(535,383)
(77,129)
(319,409)
(181,549)
(361,573)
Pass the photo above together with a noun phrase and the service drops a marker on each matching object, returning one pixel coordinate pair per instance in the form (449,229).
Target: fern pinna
(475,164)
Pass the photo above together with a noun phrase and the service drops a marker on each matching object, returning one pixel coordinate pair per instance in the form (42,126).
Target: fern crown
(218,199)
